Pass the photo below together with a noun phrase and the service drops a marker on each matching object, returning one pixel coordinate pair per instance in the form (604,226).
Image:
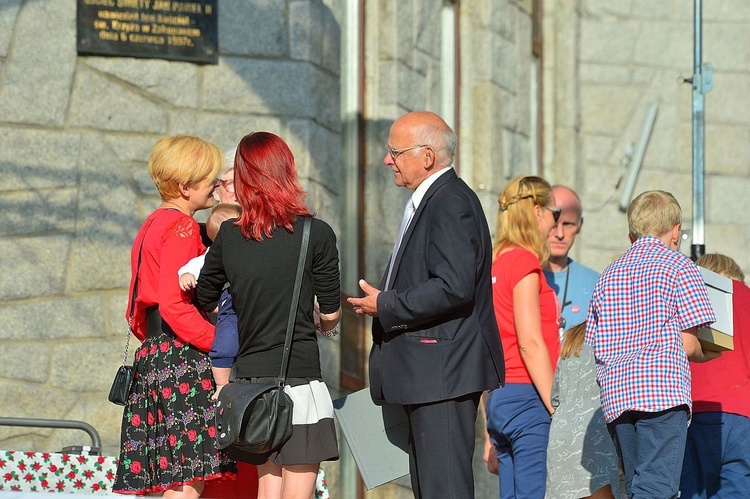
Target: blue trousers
(651,446)
(717,456)
(518,424)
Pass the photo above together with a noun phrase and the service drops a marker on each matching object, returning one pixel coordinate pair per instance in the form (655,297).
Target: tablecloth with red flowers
(73,473)
(52,472)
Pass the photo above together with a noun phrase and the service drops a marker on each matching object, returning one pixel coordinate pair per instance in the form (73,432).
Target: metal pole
(701,85)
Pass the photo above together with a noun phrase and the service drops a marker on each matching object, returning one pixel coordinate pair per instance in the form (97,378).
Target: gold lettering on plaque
(130,27)
(189,7)
(161,5)
(134,4)
(108,35)
(101,3)
(148,39)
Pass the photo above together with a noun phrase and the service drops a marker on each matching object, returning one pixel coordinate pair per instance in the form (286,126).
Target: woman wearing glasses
(526,309)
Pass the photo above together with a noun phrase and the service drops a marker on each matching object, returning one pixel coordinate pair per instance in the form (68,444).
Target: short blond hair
(183,159)
(653,213)
(516,223)
(219,214)
(721,264)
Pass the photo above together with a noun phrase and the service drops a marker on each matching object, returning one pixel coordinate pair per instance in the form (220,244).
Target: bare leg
(269,481)
(603,493)
(192,491)
(299,481)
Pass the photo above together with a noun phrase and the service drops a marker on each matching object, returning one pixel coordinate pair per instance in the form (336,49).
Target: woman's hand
(490,455)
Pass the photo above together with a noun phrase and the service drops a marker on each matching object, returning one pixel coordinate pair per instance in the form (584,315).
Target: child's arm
(187,281)
(693,349)
(221,377)
(188,272)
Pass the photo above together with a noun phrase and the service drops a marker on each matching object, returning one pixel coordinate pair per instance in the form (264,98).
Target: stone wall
(75,135)
(605,62)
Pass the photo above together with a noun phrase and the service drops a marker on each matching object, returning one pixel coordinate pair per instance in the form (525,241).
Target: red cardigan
(171,240)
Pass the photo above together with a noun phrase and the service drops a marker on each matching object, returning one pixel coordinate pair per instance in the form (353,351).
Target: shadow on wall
(75,135)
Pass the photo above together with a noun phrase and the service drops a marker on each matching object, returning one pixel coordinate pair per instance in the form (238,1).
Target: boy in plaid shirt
(642,322)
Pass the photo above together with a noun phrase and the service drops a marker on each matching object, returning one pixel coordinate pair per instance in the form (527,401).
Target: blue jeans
(518,424)
(651,446)
(717,456)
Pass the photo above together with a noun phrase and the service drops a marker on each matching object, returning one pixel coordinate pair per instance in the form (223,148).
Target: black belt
(155,324)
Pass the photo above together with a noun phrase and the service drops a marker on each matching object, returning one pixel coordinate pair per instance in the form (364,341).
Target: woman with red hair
(258,255)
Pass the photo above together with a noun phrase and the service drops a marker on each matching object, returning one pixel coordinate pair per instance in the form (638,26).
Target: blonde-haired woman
(168,433)
(527,313)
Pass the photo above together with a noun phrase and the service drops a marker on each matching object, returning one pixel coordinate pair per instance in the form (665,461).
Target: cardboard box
(720,335)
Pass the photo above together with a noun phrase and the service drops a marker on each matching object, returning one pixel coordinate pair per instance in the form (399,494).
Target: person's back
(581,459)
(642,323)
(638,303)
(717,454)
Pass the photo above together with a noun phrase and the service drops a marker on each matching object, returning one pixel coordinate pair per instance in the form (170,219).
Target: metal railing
(63,424)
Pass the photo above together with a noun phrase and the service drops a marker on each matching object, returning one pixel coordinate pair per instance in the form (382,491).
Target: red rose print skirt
(168,429)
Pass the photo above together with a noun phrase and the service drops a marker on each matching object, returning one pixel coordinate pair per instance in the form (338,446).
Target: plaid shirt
(639,308)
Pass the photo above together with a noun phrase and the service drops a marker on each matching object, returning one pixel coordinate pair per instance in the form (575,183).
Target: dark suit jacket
(435,337)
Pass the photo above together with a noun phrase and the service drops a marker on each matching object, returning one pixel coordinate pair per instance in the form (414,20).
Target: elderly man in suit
(436,345)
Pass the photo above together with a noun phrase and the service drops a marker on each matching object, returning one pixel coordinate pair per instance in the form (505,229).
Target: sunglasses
(555,212)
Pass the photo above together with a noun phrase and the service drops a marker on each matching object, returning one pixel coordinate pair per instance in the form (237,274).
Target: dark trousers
(441,447)
(717,457)
(651,446)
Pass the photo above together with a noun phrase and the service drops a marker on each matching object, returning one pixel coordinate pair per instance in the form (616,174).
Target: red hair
(266,185)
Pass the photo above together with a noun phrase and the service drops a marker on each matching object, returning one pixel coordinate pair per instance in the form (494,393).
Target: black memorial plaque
(163,29)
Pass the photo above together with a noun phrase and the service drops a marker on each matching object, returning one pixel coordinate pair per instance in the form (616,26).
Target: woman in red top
(526,309)
(168,433)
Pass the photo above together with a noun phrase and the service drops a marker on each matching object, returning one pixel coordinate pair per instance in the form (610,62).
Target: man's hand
(368,304)
(187,282)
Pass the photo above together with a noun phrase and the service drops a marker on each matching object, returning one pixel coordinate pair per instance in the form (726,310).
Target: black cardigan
(262,275)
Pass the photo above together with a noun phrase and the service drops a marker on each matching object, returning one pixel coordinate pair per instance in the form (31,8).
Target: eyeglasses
(397,152)
(555,212)
(228,184)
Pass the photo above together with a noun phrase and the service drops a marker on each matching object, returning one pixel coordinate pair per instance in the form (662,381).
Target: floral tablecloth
(52,472)
(73,473)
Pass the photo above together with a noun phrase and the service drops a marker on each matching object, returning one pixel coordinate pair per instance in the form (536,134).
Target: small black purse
(256,418)
(120,390)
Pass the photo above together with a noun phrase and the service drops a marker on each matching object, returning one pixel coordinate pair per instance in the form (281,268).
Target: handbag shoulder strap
(133,295)
(295,300)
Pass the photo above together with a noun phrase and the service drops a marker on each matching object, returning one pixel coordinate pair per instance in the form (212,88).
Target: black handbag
(256,418)
(120,389)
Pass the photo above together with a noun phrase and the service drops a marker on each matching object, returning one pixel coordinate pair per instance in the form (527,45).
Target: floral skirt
(168,432)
